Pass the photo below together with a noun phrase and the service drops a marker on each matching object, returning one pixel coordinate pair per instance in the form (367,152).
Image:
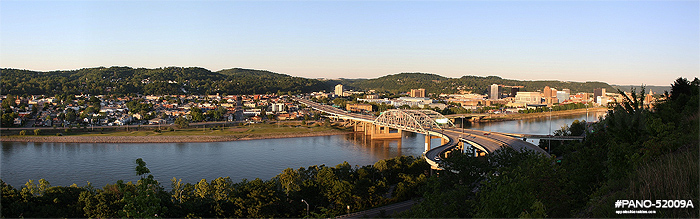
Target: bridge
(391,123)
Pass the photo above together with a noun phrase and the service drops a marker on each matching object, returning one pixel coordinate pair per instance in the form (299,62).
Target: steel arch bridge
(419,121)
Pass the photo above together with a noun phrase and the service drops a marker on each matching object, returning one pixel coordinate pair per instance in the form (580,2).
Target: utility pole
(549,142)
(462,126)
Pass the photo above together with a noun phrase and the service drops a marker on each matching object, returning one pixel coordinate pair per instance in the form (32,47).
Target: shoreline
(162,139)
(511,117)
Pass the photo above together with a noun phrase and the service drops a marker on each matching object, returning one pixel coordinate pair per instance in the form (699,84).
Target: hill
(195,80)
(403,82)
(170,80)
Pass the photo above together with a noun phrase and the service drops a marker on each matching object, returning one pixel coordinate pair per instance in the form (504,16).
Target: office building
(514,91)
(418,92)
(277,107)
(598,92)
(531,98)
(562,96)
(494,92)
(339,90)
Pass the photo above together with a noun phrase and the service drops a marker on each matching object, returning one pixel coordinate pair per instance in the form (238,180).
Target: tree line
(327,190)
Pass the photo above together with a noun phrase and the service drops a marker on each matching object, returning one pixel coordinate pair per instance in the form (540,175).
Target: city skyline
(623,43)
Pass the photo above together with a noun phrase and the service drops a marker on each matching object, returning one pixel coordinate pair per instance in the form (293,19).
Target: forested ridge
(159,81)
(404,82)
(195,80)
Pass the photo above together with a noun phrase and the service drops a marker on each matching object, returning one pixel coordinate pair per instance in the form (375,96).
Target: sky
(618,42)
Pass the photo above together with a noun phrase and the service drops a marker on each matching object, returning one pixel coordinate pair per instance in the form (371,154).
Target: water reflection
(68,163)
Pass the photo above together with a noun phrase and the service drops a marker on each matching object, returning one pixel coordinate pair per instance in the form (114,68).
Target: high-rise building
(339,90)
(547,95)
(514,91)
(277,107)
(563,95)
(598,92)
(494,92)
(418,92)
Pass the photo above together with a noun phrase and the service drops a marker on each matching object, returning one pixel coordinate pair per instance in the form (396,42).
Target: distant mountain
(403,82)
(195,80)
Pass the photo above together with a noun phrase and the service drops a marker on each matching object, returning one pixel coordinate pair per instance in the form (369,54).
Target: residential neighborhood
(105,110)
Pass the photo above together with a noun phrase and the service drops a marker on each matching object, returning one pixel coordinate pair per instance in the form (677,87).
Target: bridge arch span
(420,121)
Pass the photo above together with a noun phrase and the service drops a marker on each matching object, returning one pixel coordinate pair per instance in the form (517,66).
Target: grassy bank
(168,134)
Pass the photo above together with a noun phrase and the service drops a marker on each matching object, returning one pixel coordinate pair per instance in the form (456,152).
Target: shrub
(23,132)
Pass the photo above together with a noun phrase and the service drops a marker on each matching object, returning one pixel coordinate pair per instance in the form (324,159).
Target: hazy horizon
(616,42)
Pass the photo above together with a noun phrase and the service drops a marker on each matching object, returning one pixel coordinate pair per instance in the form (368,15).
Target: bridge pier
(360,127)
(429,138)
(427,142)
(384,132)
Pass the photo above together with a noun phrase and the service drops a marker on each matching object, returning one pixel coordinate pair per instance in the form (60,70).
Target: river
(63,164)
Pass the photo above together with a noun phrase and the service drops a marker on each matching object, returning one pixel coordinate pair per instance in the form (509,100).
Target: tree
(181,122)
(197,115)
(144,201)
(70,115)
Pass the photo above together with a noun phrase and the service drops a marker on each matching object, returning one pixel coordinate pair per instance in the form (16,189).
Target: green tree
(196,114)
(143,202)
(181,122)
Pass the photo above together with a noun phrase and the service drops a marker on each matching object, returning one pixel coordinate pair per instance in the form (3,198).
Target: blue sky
(619,42)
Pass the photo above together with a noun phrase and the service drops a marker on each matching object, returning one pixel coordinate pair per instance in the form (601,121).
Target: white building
(494,92)
(252,112)
(563,95)
(411,101)
(339,90)
(277,107)
(602,100)
(528,97)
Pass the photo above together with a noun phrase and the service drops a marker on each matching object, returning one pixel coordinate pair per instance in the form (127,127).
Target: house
(156,121)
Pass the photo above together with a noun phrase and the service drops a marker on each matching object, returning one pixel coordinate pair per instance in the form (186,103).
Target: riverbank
(161,139)
(251,132)
(519,116)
